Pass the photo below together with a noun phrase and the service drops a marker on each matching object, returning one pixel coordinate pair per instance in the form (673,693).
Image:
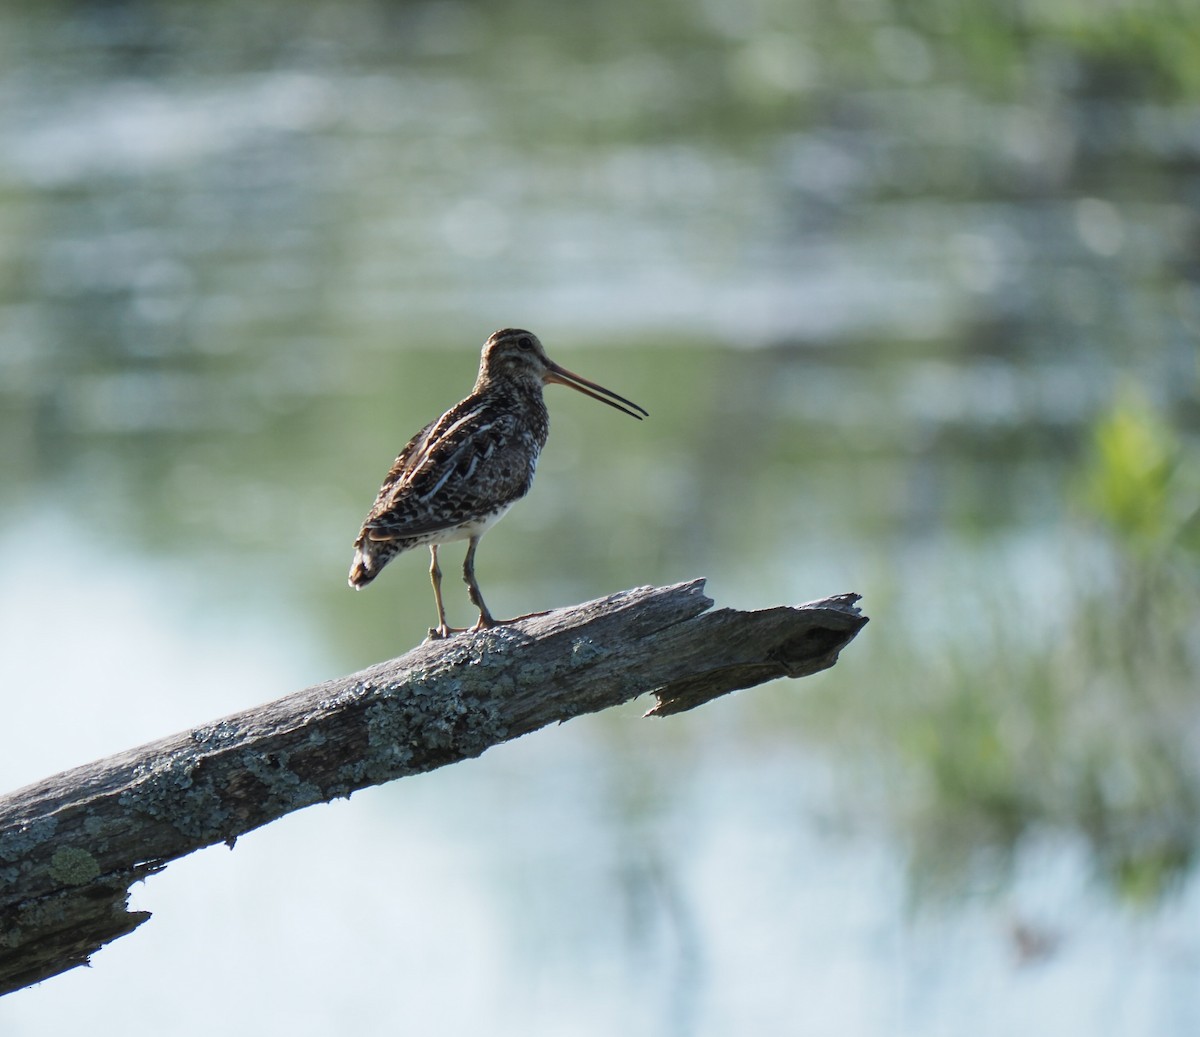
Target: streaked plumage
(462,472)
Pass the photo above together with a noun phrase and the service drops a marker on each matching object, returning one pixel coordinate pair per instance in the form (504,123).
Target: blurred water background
(912,293)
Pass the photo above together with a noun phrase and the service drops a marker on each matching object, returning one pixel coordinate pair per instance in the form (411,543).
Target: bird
(461,473)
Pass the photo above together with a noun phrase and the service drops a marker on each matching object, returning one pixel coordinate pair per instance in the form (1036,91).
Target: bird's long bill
(561,376)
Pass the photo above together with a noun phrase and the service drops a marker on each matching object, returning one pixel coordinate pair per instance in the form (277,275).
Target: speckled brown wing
(474,461)
(401,467)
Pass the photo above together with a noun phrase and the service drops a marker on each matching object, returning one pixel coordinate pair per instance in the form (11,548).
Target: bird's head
(513,355)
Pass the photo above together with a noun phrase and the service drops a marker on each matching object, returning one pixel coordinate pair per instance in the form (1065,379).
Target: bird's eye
(525,342)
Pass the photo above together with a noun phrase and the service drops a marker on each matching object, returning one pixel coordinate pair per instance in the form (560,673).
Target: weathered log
(73,844)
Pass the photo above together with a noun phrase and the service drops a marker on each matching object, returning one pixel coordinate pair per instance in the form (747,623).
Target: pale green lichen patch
(168,790)
(389,754)
(17,843)
(346,696)
(421,724)
(584,650)
(73,866)
(285,788)
(218,735)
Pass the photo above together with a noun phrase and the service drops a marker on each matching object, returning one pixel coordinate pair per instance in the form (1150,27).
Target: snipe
(460,474)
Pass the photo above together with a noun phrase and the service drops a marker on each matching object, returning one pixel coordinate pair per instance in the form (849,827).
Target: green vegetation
(1074,709)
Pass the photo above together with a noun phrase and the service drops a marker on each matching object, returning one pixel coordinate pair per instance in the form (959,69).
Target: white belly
(468,529)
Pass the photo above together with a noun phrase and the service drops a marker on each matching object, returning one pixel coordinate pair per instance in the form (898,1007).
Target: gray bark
(72,845)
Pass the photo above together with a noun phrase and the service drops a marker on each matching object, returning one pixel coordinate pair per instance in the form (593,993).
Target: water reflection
(911,298)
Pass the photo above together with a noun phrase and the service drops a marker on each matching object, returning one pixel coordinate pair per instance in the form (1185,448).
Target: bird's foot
(442,631)
(486,623)
(530,615)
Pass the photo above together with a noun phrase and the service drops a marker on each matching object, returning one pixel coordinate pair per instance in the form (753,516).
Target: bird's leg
(435,577)
(486,619)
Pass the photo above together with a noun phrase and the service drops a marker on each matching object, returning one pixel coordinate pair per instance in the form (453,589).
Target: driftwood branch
(72,845)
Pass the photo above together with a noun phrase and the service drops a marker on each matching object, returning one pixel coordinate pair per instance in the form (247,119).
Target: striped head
(515,356)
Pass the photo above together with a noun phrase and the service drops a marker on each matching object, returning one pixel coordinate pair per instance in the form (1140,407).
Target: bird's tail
(370,556)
